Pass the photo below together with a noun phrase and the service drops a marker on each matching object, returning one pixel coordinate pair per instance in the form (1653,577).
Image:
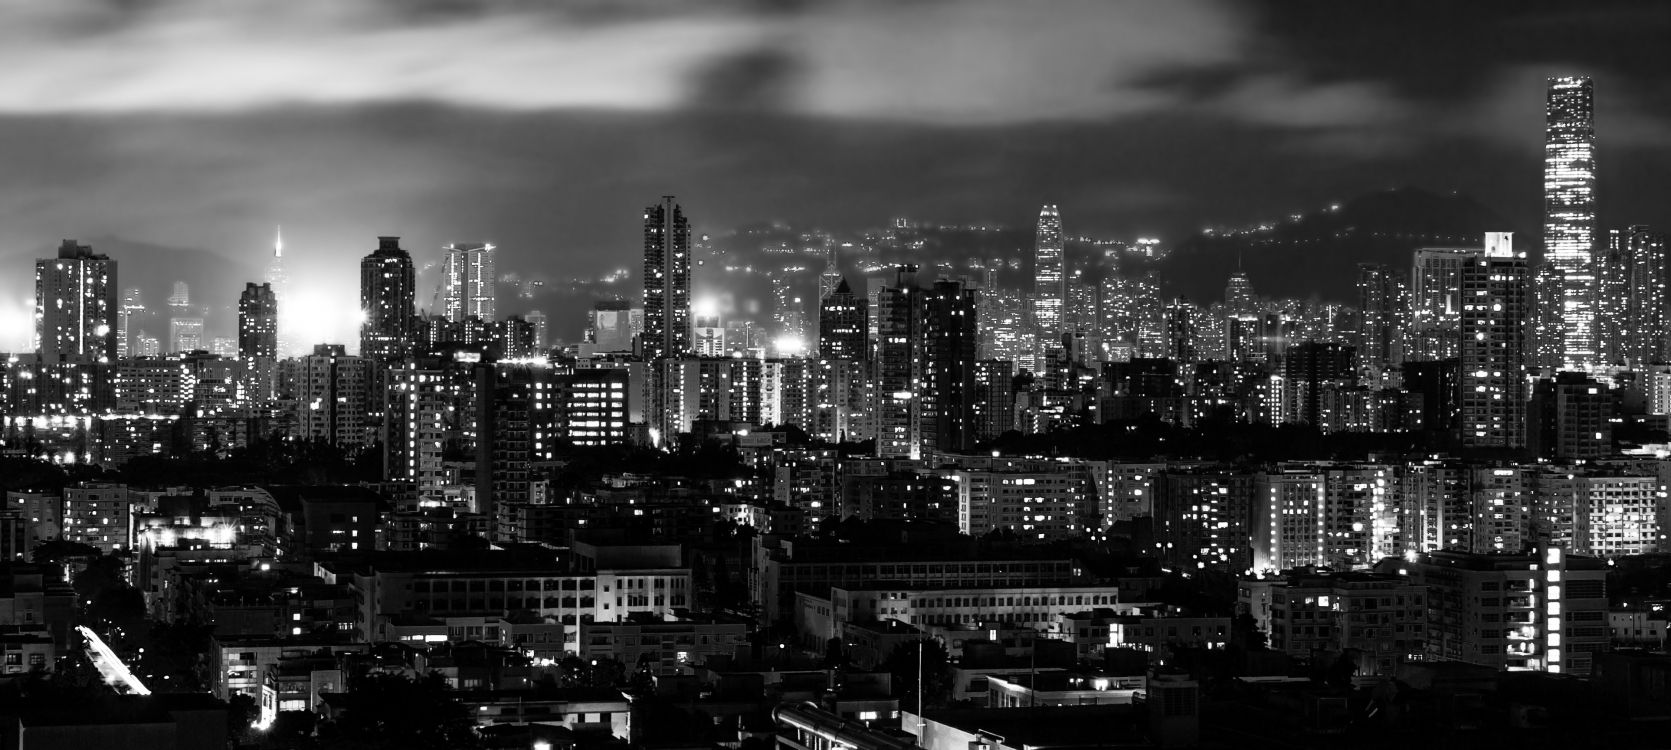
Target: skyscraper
(1381,307)
(951,344)
(1436,300)
(539,322)
(75,305)
(468,281)
(842,326)
(257,322)
(898,367)
(1494,326)
(1048,279)
(1239,299)
(125,333)
(1569,215)
(1648,310)
(666,280)
(386,302)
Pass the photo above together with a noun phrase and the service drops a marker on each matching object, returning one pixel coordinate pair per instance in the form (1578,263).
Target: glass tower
(1048,287)
(1569,216)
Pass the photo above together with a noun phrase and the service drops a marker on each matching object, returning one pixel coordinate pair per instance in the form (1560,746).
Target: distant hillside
(1318,254)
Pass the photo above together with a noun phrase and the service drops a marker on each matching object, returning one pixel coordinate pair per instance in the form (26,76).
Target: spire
(278,242)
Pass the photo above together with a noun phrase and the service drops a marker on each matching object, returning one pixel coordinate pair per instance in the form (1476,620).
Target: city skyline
(930,375)
(1456,117)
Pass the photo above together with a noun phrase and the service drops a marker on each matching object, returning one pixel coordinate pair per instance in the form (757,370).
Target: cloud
(937,62)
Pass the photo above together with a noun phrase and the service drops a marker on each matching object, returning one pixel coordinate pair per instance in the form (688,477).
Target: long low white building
(1037,607)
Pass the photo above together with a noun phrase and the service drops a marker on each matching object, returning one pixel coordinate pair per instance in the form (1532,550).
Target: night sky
(199,125)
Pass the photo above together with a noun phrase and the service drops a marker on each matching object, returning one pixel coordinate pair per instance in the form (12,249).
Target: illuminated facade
(468,279)
(75,305)
(1049,283)
(1569,208)
(666,280)
(387,282)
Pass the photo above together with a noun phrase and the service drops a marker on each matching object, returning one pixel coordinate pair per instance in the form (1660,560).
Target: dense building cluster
(912,507)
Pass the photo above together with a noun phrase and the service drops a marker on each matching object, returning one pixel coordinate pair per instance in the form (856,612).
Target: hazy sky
(545,126)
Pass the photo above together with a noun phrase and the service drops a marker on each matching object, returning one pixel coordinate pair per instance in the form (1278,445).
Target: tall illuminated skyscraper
(75,305)
(468,281)
(666,280)
(386,301)
(1569,215)
(1048,280)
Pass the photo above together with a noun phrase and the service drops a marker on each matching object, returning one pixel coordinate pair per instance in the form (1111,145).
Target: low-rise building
(665,647)
(1538,612)
(1379,619)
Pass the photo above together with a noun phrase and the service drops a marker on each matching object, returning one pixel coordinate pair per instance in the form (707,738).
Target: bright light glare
(17,325)
(311,317)
(788,345)
(705,308)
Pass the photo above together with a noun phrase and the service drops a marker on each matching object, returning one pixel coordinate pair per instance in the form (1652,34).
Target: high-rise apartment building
(1645,337)
(1569,215)
(898,367)
(1436,300)
(666,280)
(75,305)
(130,306)
(1495,328)
(387,292)
(1049,285)
(842,324)
(1382,306)
(951,344)
(468,281)
(257,322)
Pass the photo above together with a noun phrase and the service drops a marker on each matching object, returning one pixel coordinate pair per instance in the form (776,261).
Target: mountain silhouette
(1318,253)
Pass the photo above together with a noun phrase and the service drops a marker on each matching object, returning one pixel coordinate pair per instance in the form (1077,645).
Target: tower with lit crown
(278,282)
